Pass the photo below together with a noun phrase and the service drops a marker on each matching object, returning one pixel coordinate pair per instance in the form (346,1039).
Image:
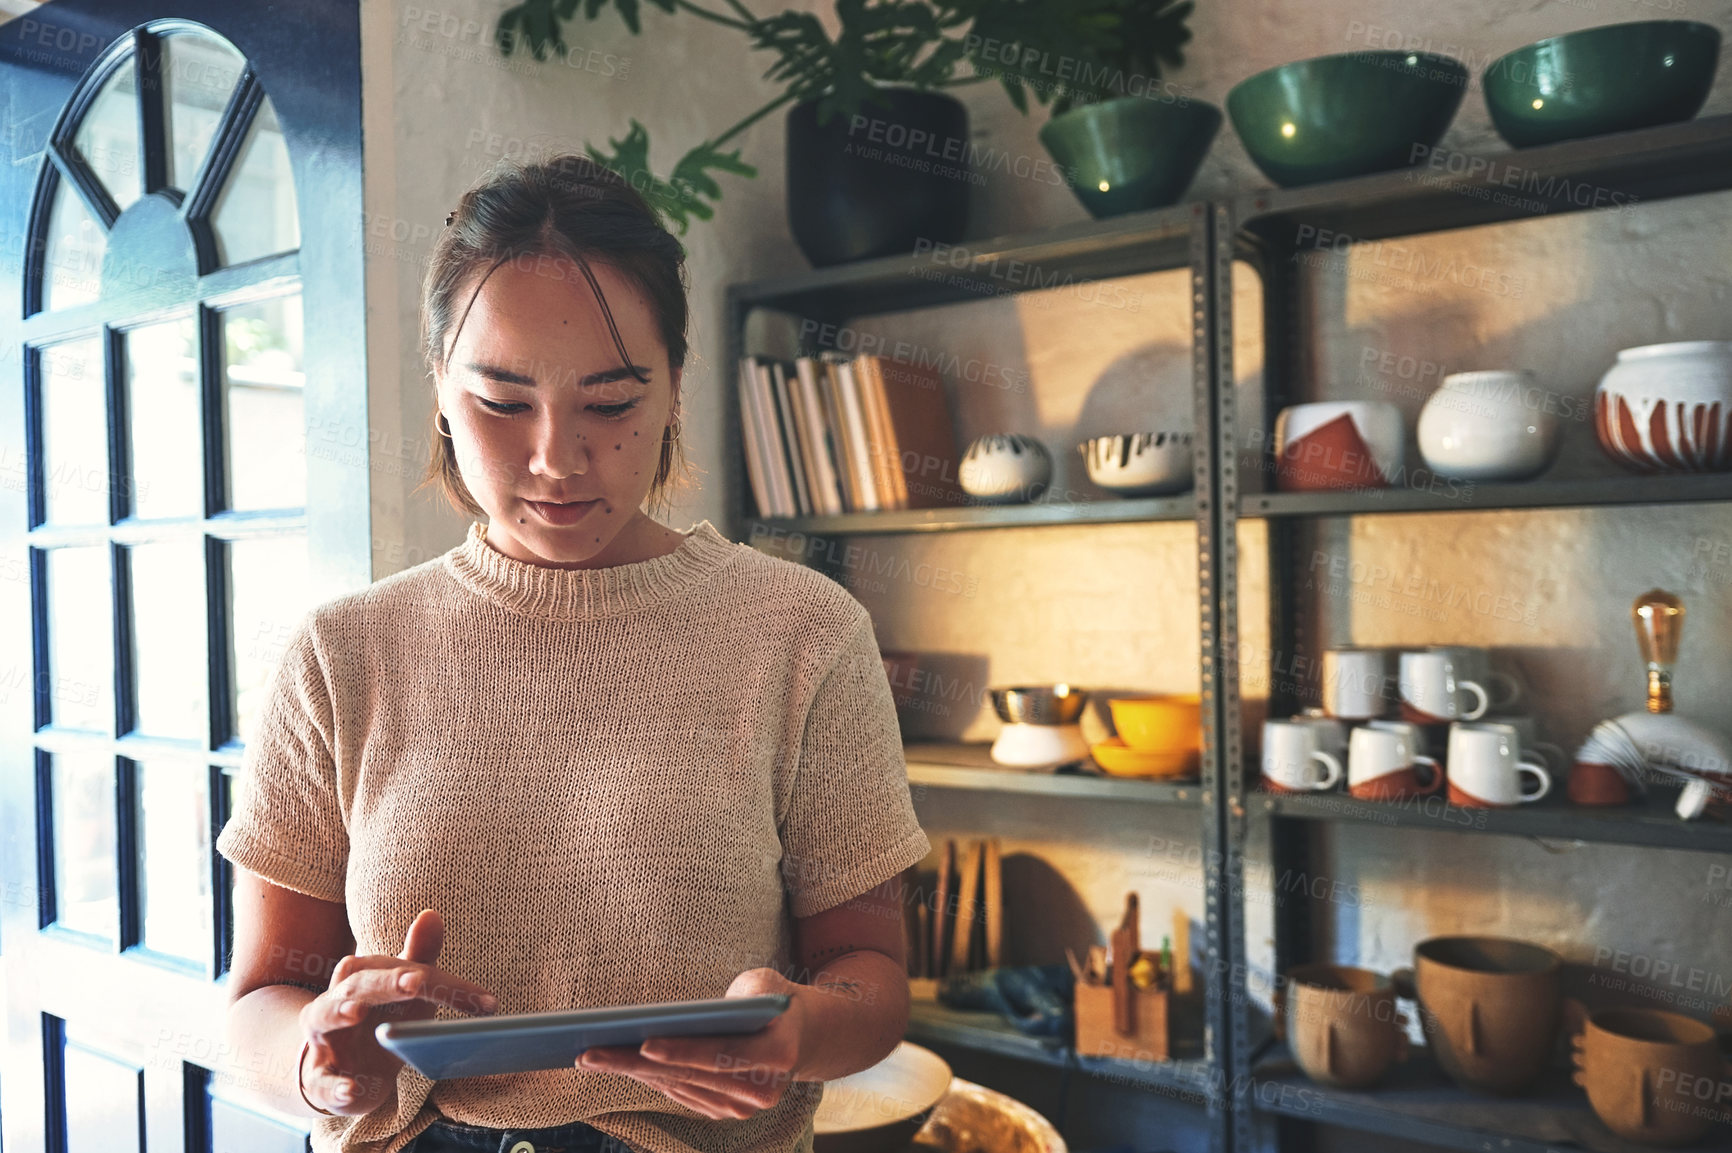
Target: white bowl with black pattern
(1140,464)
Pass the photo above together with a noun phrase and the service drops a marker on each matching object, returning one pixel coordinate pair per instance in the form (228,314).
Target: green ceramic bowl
(1131,153)
(1610,79)
(1346,115)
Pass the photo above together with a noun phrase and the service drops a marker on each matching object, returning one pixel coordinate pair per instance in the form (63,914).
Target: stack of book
(834,434)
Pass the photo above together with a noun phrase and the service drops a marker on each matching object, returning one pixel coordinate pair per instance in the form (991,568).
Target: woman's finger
(760,1086)
(710,1104)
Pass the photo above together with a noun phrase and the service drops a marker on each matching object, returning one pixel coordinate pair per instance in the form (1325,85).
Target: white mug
(1485,767)
(1331,731)
(1382,763)
(1528,730)
(1432,686)
(1294,760)
(1356,683)
(1474,663)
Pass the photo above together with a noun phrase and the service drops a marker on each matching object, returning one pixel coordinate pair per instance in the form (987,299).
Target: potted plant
(1127,139)
(878,152)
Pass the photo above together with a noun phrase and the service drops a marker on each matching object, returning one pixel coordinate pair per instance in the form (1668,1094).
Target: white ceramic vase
(1489,426)
(1668,407)
(1006,468)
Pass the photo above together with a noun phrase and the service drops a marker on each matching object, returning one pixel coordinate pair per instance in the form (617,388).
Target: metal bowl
(1039,704)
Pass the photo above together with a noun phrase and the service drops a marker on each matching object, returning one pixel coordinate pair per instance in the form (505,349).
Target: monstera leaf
(680,198)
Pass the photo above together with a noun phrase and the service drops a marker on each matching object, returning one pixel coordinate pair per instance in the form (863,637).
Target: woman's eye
(614,411)
(496,406)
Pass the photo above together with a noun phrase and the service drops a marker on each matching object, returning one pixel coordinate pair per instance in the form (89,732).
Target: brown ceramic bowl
(879,1110)
(1489,1008)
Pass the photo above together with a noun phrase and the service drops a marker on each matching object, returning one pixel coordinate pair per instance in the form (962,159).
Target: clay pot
(1643,1069)
(1489,1008)
(1668,407)
(1338,445)
(1342,1025)
(1592,783)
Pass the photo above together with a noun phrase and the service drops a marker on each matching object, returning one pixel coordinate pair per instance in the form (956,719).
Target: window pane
(85,891)
(268,596)
(80,639)
(255,214)
(72,261)
(162,413)
(168,640)
(265,437)
(74,433)
(198,73)
(108,136)
(174,859)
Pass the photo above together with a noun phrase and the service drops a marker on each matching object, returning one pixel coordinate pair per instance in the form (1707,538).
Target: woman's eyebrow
(605,376)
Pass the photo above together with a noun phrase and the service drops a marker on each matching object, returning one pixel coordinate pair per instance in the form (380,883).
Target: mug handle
(1539,772)
(1479,693)
(1333,776)
(1550,753)
(1436,775)
(1509,689)
(1402,979)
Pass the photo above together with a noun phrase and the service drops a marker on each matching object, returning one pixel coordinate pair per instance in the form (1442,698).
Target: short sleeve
(849,823)
(286,824)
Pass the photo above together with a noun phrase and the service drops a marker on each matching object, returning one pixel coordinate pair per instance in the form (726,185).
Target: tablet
(520,1043)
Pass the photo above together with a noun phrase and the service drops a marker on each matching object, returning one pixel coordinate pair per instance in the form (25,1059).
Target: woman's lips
(562,514)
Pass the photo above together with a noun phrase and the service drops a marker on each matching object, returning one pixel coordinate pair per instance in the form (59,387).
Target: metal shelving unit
(1268,230)
(1164,240)
(1251,1092)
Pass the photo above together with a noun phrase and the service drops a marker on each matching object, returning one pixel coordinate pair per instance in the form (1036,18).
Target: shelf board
(1588,492)
(986,1032)
(1652,824)
(1417,1102)
(970,766)
(981,1032)
(1616,171)
(1133,243)
(1036,515)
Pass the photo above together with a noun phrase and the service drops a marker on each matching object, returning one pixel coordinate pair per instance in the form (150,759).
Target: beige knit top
(617,786)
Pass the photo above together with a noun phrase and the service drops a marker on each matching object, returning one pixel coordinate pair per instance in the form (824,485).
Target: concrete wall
(1115,606)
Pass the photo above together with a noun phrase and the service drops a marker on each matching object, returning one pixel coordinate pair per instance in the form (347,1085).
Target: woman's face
(543,412)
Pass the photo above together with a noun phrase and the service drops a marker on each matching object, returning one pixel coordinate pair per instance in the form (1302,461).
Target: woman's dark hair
(569,206)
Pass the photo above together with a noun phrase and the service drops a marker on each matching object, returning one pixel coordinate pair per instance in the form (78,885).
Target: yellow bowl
(1159,723)
(1121,760)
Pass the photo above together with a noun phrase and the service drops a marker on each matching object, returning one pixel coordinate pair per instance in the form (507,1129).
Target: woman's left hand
(724,1078)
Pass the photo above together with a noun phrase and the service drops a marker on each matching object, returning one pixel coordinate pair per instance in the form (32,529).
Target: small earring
(443,425)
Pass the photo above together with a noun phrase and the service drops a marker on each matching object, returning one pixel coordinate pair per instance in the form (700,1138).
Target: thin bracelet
(299,1063)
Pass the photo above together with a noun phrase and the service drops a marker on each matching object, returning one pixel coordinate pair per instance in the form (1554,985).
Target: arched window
(175,526)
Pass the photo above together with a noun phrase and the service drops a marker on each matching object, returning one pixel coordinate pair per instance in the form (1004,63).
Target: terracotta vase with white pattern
(1668,407)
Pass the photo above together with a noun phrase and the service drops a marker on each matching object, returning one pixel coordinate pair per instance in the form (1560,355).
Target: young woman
(579,760)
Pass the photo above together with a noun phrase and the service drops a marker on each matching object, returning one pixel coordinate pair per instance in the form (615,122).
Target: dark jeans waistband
(446,1136)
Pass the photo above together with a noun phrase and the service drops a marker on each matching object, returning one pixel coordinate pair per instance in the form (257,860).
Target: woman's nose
(560,448)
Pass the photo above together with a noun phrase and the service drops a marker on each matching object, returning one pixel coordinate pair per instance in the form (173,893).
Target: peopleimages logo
(1547,189)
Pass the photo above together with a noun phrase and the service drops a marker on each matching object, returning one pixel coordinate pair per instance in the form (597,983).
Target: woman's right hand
(345,1069)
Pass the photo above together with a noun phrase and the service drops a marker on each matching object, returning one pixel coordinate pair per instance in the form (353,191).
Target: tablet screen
(520,1043)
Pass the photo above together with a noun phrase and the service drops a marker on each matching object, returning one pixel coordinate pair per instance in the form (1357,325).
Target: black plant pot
(878,182)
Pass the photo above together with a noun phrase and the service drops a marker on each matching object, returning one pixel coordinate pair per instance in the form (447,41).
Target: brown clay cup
(1644,1071)
(1489,1008)
(1342,1024)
